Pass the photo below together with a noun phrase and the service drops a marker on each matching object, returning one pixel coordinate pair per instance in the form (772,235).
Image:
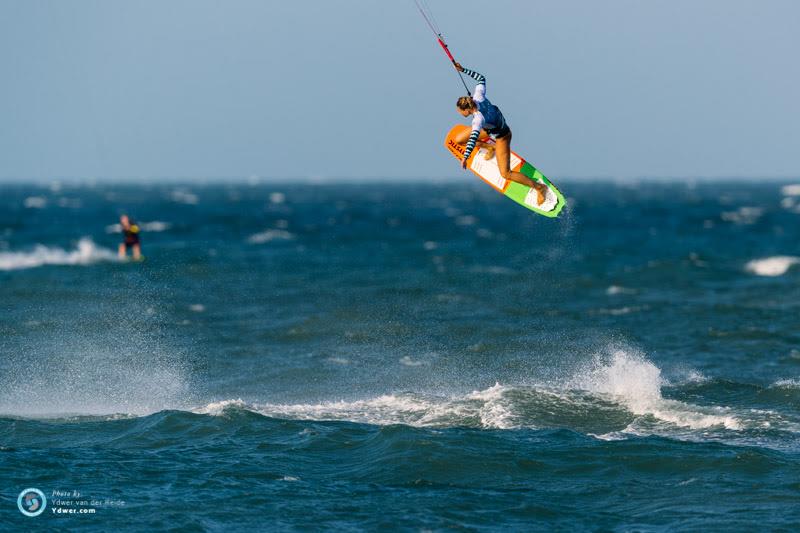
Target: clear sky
(112,89)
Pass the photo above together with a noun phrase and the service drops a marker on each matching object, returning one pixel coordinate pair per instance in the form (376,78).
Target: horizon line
(322,180)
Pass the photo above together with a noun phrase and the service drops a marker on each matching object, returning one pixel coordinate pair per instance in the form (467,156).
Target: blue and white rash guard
(487,116)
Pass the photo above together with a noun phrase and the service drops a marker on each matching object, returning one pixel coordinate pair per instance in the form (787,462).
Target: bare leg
(463,137)
(137,252)
(503,151)
(121,251)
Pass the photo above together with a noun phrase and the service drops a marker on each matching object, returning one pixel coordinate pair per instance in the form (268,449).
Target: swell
(616,395)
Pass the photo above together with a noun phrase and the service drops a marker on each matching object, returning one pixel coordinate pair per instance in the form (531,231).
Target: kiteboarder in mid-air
(488,121)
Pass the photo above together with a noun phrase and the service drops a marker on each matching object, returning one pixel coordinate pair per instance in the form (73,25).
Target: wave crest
(86,253)
(771,266)
(620,392)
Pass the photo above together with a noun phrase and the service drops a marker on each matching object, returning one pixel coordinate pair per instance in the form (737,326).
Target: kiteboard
(488,171)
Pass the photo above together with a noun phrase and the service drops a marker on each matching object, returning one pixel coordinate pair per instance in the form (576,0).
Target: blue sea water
(354,357)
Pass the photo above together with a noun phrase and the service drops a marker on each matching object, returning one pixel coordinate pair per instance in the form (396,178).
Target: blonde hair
(465,102)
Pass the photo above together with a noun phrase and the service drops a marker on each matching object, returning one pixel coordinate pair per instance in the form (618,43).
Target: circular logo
(31,502)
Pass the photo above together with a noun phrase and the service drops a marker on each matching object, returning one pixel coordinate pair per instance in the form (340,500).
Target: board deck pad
(488,171)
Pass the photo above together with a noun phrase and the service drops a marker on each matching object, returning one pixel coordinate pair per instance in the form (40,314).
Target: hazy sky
(359,88)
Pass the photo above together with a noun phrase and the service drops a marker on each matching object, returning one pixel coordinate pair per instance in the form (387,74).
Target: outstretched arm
(477,76)
(479,94)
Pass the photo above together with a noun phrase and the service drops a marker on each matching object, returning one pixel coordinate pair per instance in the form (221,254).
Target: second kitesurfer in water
(488,121)
(130,239)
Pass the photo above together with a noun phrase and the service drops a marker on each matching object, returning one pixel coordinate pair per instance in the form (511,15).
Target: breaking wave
(771,266)
(613,396)
(86,253)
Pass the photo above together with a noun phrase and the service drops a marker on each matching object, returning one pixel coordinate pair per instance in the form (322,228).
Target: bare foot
(489,152)
(541,191)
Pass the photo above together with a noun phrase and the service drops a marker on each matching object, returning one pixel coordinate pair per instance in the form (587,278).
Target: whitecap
(615,395)
(771,266)
(86,253)
(270,235)
(743,216)
(486,409)
(495,411)
(634,381)
(184,196)
(219,408)
(35,202)
(619,311)
(791,190)
(492,269)
(786,384)
(155,226)
(613,290)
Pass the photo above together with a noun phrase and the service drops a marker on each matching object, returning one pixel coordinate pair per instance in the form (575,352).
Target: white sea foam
(622,383)
(218,408)
(270,235)
(494,411)
(155,226)
(771,266)
(787,384)
(184,196)
(610,436)
(614,290)
(86,253)
(635,382)
(486,409)
(492,269)
(791,203)
(618,311)
(743,216)
(35,202)
(791,190)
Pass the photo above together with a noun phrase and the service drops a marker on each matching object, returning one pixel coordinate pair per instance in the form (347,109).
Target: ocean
(400,356)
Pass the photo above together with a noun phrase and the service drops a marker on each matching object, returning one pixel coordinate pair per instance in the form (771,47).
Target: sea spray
(86,253)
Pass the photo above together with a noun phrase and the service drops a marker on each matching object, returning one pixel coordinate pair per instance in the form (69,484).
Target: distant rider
(130,239)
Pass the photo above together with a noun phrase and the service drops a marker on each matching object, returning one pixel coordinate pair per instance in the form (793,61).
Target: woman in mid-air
(488,121)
